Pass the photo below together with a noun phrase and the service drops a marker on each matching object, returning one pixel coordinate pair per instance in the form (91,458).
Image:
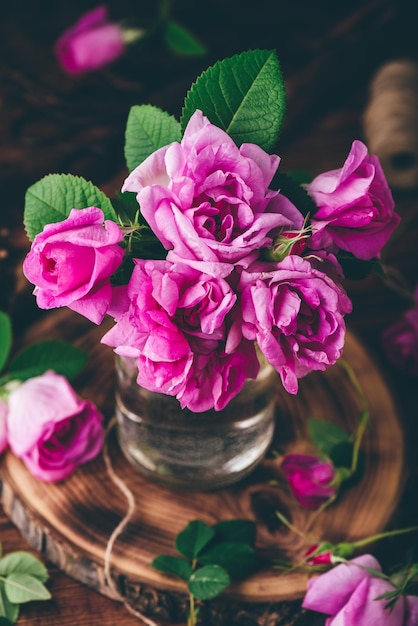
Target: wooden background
(50,122)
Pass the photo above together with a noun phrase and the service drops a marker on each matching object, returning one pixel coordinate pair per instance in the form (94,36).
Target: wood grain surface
(329,52)
(71,522)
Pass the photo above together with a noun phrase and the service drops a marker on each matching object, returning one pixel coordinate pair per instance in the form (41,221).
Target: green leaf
(7,609)
(181,41)
(5,622)
(238,559)
(148,128)
(22,588)
(172,565)
(341,455)
(5,338)
(326,435)
(244,95)
(191,540)
(23,563)
(51,199)
(208,582)
(56,355)
(236,531)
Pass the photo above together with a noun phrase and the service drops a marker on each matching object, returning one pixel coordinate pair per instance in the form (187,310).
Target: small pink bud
(91,43)
(319,557)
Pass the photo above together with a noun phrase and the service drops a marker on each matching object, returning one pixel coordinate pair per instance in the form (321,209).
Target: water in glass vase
(199,451)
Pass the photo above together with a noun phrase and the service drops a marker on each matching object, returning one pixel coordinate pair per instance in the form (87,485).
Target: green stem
(191,619)
(365,413)
(290,526)
(364,420)
(389,533)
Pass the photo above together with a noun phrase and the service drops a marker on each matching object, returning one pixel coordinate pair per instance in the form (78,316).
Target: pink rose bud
(51,428)
(91,43)
(348,594)
(319,554)
(71,262)
(310,479)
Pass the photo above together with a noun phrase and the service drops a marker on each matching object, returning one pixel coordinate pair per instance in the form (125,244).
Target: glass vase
(200,451)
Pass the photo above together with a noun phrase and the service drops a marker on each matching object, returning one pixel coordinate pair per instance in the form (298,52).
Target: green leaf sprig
(22,579)
(36,359)
(210,557)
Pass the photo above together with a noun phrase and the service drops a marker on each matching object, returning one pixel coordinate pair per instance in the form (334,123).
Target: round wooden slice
(71,522)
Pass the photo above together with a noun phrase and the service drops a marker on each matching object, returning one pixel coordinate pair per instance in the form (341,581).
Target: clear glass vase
(199,451)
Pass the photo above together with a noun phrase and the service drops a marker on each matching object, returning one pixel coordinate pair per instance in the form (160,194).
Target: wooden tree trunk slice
(71,522)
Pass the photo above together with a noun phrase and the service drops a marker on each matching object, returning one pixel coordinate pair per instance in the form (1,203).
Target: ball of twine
(391,122)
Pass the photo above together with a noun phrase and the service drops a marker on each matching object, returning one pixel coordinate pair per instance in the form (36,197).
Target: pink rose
(348,594)
(51,428)
(309,479)
(3,426)
(215,376)
(400,341)
(207,199)
(91,43)
(172,319)
(355,206)
(71,262)
(295,312)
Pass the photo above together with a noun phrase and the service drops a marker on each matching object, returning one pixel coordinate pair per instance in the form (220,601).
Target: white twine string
(122,486)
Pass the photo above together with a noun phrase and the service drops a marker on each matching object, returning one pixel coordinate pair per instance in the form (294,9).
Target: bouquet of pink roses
(210,250)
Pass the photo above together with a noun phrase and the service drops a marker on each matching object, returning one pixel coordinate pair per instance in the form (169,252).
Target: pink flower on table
(207,199)
(355,206)
(295,312)
(70,263)
(348,594)
(3,426)
(91,43)
(51,428)
(169,311)
(310,479)
(400,340)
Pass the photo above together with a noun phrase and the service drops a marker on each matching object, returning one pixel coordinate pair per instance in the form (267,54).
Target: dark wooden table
(51,122)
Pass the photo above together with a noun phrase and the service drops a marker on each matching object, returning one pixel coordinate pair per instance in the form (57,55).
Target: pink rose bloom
(215,376)
(355,206)
(295,312)
(51,428)
(207,199)
(348,592)
(91,43)
(70,263)
(3,426)
(309,479)
(400,341)
(168,311)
